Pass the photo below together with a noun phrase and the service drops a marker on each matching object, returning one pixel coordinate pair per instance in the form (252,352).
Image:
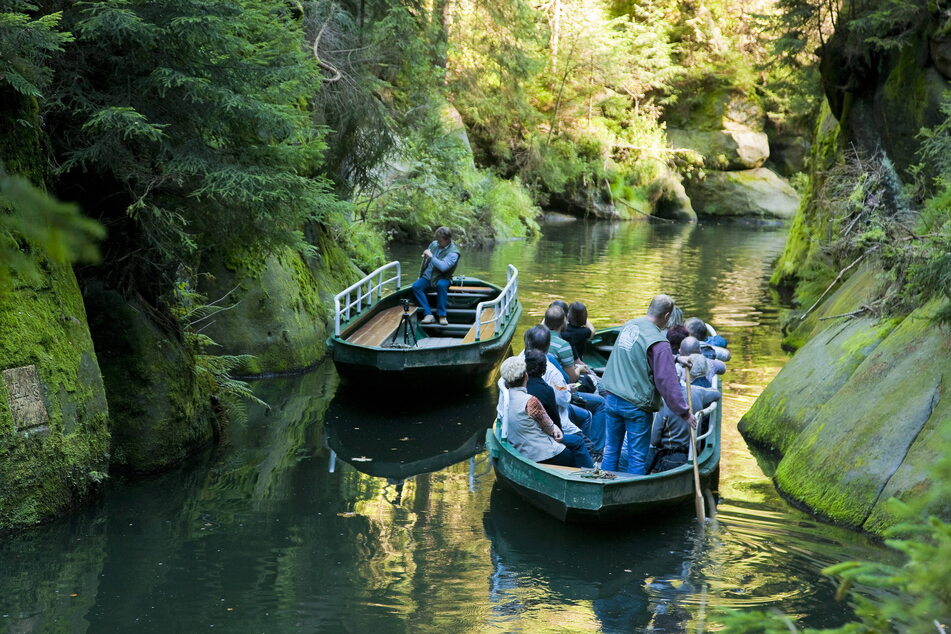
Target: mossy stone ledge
(867,442)
(159,412)
(280,312)
(47,467)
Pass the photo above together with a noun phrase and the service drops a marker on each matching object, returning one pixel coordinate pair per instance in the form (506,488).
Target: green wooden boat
(584,495)
(378,336)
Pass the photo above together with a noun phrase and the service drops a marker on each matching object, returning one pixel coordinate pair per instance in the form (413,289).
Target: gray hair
(444,232)
(696,328)
(513,371)
(554,318)
(660,305)
(690,345)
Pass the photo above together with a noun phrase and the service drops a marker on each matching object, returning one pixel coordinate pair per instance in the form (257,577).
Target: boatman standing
(639,373)
(439,263)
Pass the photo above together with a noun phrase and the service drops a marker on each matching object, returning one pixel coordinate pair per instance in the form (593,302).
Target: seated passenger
(574,419)
(578,330)
(531,431)
(698,329)
(670,435)
(536,362)
(702,370)
(675,335)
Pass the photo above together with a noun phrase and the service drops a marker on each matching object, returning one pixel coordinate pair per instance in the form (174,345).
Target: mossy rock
(717,107)
(281,313)
(810,228)
(913,479)
(738,148)
(46,468)
(909,99)
(843,460)
(160,413)
(755,193)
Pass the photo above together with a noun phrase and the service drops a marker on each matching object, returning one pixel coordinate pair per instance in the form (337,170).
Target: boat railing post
(478,321)
(399,275)
(336,316)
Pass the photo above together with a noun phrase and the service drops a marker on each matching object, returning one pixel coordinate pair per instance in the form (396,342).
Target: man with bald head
(640,372)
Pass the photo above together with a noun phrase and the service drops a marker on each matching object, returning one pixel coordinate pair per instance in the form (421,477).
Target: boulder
(714,107)
(54,433)
(845,459)
(670,198)
(279,310)
(940,49)
(819,368)
(160,412)
(734,149)
(788,154)
(758,193)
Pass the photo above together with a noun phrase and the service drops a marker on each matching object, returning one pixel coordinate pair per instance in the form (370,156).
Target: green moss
(843,461)
(160,413)
(45,473)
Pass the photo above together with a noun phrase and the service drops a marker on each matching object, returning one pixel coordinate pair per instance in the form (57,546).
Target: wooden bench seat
(486,290)
(379,327)
(487,329)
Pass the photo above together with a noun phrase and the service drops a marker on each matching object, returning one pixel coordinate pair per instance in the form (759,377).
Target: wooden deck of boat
(379,327)
(487,329)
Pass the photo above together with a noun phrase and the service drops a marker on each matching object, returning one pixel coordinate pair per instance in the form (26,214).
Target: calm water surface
(340,511)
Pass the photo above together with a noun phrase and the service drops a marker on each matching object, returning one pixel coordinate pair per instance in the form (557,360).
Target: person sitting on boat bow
(639,372)
(697,328)
(701,369)
(439,263)
(530,429)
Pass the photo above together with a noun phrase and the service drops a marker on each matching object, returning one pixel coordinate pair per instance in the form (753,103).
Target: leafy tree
(26,44)
(193,118)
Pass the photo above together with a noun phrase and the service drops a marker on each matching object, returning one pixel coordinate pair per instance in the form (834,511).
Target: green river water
(341,511)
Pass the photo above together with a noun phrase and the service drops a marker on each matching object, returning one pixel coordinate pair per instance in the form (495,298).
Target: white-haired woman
(531,430)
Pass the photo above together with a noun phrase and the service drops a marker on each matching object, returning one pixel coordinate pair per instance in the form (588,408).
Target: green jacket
(628,373)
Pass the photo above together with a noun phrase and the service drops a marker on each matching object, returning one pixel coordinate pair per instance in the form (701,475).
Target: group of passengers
(635,417)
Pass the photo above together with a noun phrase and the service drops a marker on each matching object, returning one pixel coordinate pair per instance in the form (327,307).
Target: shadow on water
(351,510)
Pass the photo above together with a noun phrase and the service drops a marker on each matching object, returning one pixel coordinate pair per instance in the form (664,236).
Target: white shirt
(562,396)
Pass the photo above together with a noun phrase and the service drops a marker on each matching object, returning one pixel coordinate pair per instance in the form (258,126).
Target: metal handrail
(369,290)
(505,303)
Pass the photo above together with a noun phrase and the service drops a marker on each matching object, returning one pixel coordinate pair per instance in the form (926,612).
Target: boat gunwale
(365,315)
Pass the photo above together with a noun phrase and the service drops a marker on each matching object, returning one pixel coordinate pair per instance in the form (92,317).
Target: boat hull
(398,368)
(569,497)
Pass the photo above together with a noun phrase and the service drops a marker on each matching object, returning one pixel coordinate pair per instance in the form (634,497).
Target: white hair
(513,370)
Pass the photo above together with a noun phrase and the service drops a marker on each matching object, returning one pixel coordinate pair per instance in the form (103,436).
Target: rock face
(737,148)
(854,408)
(160,413)
(757,192)
(54,435)
(280,313)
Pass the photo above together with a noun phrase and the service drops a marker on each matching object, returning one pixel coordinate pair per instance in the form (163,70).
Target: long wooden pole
(697,493)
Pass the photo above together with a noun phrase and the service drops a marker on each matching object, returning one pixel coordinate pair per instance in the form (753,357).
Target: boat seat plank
(379,327)
(487,290)
(488,313)
(438,342)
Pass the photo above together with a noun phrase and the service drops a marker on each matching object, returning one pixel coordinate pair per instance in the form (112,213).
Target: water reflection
(336,511)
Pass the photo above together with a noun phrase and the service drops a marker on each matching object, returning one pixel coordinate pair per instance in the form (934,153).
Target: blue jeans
(594,403)
(422,286)
(575,454)
(624,419)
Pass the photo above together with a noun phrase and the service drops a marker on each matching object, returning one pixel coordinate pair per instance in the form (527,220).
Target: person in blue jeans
(639,376)
(439,263)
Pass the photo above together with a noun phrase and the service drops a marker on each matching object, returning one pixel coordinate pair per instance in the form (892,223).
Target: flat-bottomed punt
(378,337)
(582,495)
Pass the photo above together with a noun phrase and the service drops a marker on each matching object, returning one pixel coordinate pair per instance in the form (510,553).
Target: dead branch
(835,281)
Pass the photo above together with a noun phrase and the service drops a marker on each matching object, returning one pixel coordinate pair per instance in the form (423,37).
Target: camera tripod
(405,328)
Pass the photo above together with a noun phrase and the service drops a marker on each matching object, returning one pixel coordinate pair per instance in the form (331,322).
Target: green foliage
(26,44)
(31,221)
(202,119)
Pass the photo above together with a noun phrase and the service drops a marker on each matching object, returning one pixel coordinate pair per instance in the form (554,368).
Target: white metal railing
(503,304)
(502,408)
(709,411)
(363,294)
